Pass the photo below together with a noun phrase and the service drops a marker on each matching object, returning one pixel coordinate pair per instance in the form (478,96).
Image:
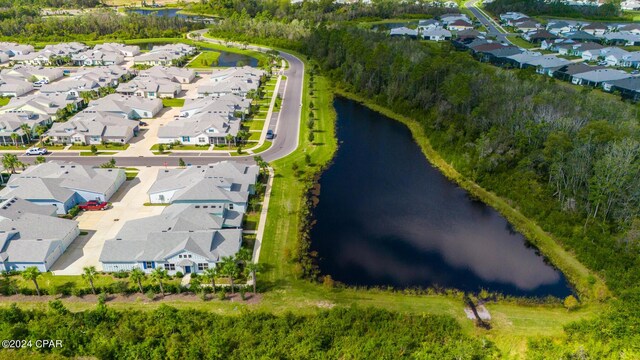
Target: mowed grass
(518,41)
(173,102)
(205,59)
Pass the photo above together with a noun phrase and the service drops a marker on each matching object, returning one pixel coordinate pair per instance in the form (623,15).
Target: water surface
(386,217)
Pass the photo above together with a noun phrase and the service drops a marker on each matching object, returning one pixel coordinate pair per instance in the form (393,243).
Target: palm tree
(251,269)
(138,275)
(230,269)
(158,275)
(32,273)
(89,273)
(10,162)
(27,131)
(229,137)
(244,255)
(15,138)
(210,274)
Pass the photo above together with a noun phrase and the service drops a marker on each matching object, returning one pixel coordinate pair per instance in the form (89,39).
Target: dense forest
(167,333)
(39,4)
(99,25)
(608,11)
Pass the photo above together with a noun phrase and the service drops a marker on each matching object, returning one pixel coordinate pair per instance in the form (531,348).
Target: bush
(102,298)
(150,294)
(74,211)
(222,294)
(119,287)
(179,275)
(571,303)
(121,274)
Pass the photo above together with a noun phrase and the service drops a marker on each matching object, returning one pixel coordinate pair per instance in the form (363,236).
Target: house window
(185,139)
(169,267)
(202,140)
(148,265)
(203,266)
(230,206)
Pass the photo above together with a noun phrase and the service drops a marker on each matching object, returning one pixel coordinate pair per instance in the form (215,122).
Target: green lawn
(254,136)
(254,124)
(263,147)
(111,147)
(172,102)
(206,59)
(4,100)
(518,41)
(181,147)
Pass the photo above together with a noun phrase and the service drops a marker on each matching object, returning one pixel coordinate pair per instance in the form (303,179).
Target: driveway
(141,145)
(128,204)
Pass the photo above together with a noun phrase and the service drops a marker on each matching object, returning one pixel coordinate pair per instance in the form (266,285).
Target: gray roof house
(225,183)
(12,49)
(28,72)
(403,31)
(172,73)
(226,105)
(186,237)
(11,123)
(629,88)
(164,54)
(41,104)
(133,107)
(150,88)
(94,128)
(544,64)
(97,58)
(32,235)
(200,129)
(436,34)
(14,86)
(595,78)
(63,184)
(45,56)
(237,81)
(121,49)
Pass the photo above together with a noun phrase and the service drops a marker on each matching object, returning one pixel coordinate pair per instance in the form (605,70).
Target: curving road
(493,28)
(285,142)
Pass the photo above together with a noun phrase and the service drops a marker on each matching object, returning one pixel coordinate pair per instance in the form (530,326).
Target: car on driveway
(142,123)
(94,205)
(36,151)
(270,135)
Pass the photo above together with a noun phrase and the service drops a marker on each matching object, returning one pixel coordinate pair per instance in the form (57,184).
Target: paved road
(284,143)
(484,19)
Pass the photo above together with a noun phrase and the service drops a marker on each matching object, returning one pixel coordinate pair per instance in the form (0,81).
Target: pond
(386,217)
(172,12)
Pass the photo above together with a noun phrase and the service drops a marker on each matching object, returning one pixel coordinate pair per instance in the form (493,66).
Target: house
(13,123)
(447,19)
(175,74)
(538,36)
(165,54)
(14,86)
(632,59)
(238,81)
(436,34)
(403,32)
(623,38)
(559,27)
(228,105)
(31,73)
(579,48)
(12,49)
(527,26)
(87,80)
(630,5)
(501,55)
(115,48)
(464,35)
(97,58)
(428,24)
(63,184)
(509,17)
(185,238)
(629,88)
(544,64)
(200,129)
(613,55)
(132,107)
(567,72)
(94,129)
(42,104)
(32,235)
(225,183)
(580,36)
(633,28)
(459,25)
(50,54)
(150,88)
(596,78)
(595,29)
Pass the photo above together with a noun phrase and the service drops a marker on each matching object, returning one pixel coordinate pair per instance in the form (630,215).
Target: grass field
(181,147)
(88,153)
(111,147)
(518,41)
(173,102)
(205,59)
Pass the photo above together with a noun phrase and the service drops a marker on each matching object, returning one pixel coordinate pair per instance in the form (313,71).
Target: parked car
(270,134)
(94,205)
(36,151)
(142,123)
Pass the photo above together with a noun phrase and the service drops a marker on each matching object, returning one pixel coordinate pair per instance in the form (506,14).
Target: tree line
(168,333)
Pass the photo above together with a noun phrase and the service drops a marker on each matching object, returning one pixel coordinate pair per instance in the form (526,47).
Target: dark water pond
(172,12)
(386,217)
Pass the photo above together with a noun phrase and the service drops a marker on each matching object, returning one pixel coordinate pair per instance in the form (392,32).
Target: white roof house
(97,58)
(133,107)
(121,49)
(200,129)
(13,86)
(28,72)
(158,82)
(41,104)
(63,184)
(598,77)
(436,34)
(94,128)
(12,124)
(45,56)
(238,81)
(32,235)
(164,54)
(13,49)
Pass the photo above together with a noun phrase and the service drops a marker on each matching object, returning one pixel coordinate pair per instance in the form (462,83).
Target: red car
(93,205)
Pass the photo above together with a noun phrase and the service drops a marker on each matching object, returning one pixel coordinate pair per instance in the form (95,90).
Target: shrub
(121,274)
(150,294)
(119,287)
(179,274)
(222,295)
(74,211)
(102,298)
(571,303)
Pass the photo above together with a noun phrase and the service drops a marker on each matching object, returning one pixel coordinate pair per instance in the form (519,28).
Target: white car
(36,151)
